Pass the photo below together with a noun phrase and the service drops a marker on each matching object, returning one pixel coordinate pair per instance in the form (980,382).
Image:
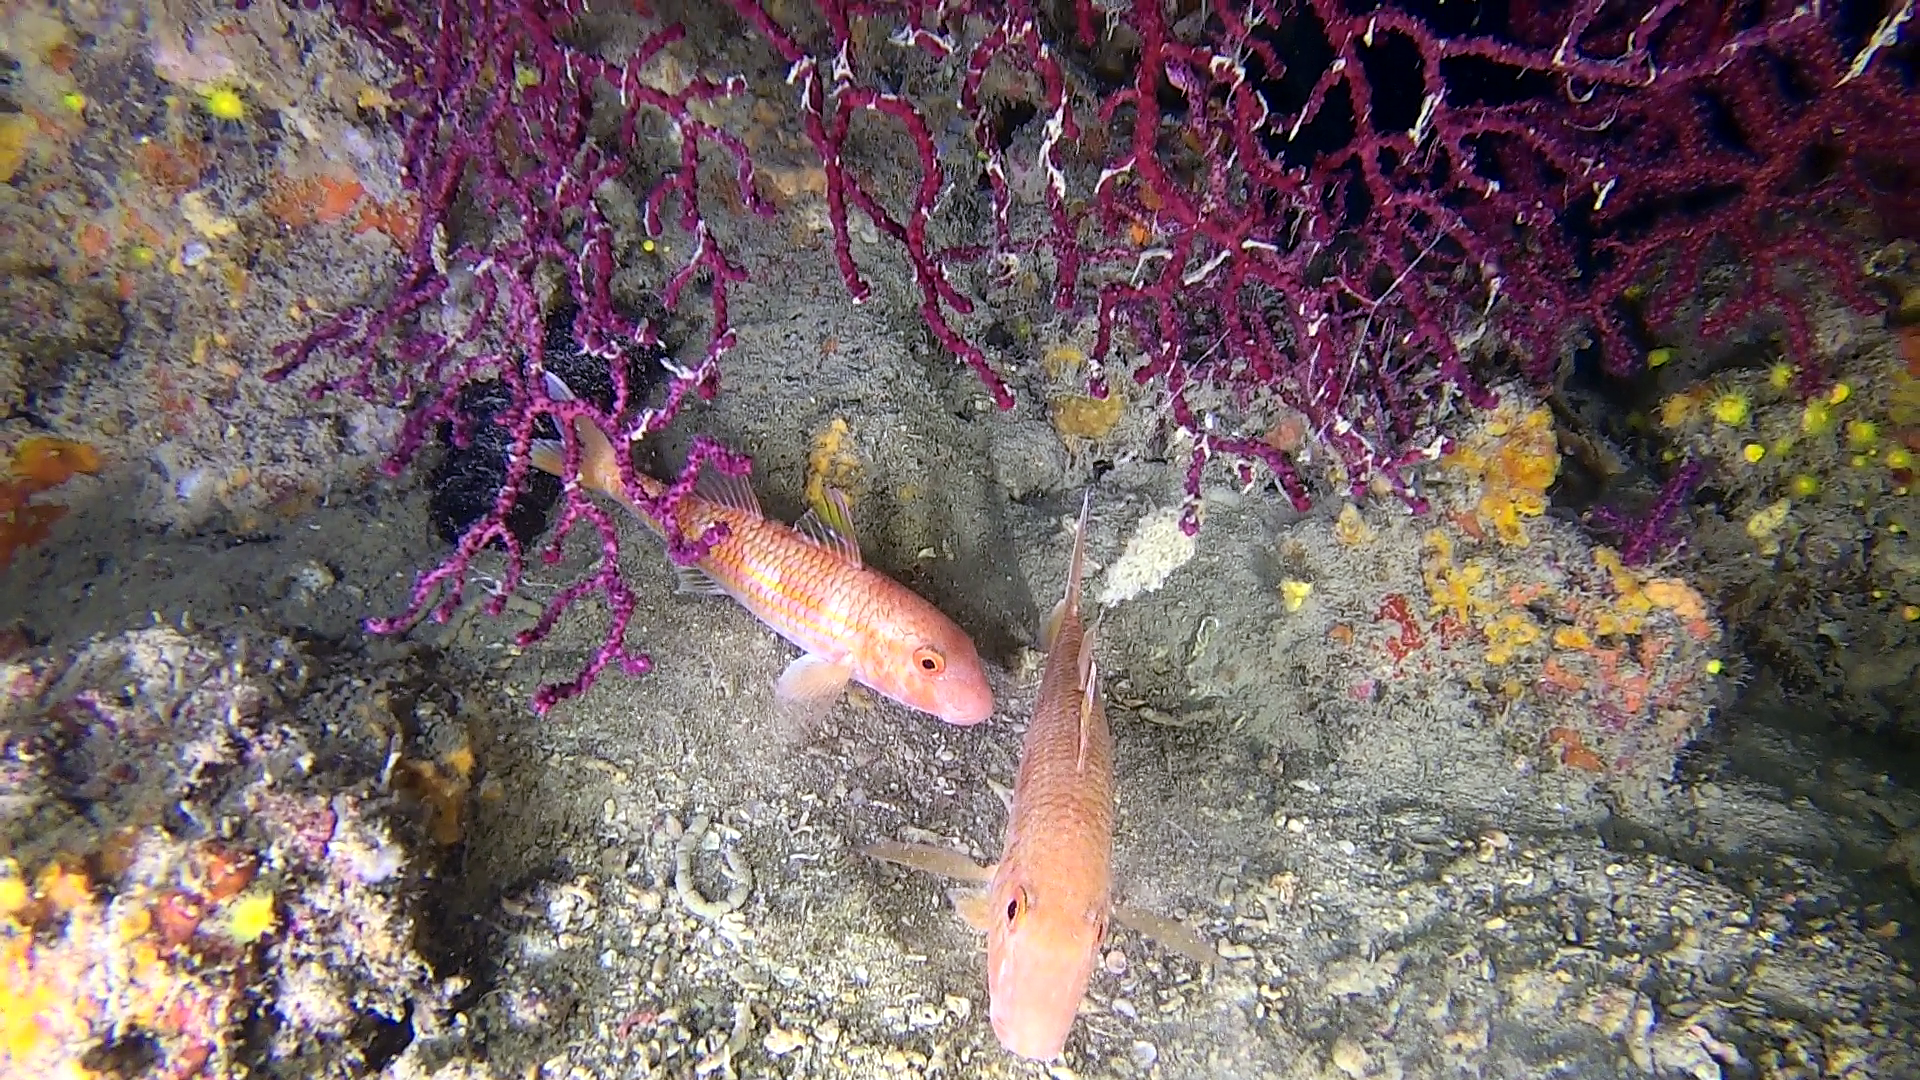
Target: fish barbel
(809,584)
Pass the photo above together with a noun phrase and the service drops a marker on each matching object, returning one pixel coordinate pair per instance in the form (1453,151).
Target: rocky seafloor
(1458,794)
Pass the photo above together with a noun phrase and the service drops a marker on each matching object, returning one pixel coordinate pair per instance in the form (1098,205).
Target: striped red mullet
(1047,901)
(810,585)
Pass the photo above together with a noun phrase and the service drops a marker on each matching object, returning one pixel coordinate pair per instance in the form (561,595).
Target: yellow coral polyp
(1571,637)
(1780,376)
(1676,596)
(1732,408)
(1062,359)
(1081,416)
(1674,411)
(1507,635)
(1899,458)
(14,896)
(1452,589)
(225,103)
(1516,458)
(1763,525)
(1350,528)
(1753,452)
(1632,596)
(251,917)
(1816,418)
(1862,434)
(1293,594)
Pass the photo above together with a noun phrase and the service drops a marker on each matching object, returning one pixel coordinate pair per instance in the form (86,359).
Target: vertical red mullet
(1047,901)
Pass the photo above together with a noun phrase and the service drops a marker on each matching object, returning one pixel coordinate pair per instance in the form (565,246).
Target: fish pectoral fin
(1089,678)
(1087,703)
(807,690)
(974,906)
(934,860)
(1003,792)
(829,524)
(696,582)
(1170,934)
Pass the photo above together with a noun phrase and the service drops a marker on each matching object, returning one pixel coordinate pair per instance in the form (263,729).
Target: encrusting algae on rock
(1515,458)
(37,465)
(231,906)
(1599,666)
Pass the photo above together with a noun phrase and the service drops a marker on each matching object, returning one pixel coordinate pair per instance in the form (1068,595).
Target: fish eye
(928,659)
(1016,904)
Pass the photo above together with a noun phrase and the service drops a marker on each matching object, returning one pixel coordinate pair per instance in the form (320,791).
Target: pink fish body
(809,584)
(1046,903)
(1046,907)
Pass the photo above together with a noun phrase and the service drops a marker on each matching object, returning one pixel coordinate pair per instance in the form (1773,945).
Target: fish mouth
(968,713)
(1029,1040)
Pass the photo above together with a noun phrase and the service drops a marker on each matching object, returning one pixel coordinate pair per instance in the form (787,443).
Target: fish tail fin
(598,467)
(549,456)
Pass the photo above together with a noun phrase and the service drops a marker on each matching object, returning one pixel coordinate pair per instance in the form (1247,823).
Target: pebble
(960,1007)
(780,1042)
(828,1032)
(1234,950)
(1144,1055)
(308,581)
(1349,1057)
(1116,962)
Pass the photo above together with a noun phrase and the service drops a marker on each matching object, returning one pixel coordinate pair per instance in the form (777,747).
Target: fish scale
(1062,805)
(1047,901)
(807,593)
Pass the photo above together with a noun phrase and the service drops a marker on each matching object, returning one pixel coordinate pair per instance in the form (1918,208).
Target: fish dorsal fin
(1076,568)
(1089,676)
(829,524)
(728,490)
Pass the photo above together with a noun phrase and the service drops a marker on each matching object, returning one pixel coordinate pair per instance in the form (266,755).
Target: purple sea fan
(499,116)
(1651,536)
